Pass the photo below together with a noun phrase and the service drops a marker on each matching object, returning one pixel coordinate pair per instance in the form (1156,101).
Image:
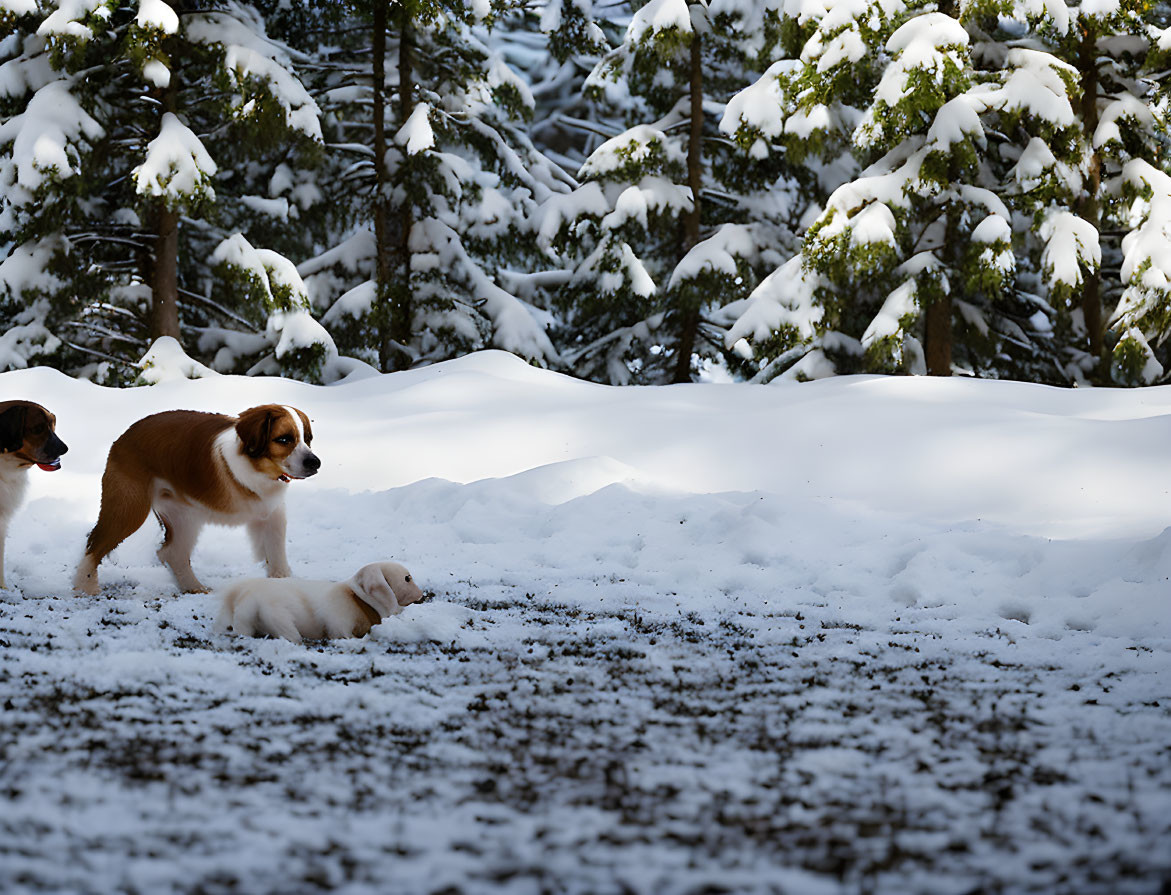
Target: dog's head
(27,433)
(386,587)
(276,438)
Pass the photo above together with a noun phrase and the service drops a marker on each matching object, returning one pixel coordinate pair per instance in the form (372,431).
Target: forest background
(736,189)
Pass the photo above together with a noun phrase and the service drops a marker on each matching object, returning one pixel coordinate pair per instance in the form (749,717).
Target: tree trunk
(937,341)
(164,275)
(403,308)
(689,312)
(1089,207)
(937,332)
(382,248)
(164,311)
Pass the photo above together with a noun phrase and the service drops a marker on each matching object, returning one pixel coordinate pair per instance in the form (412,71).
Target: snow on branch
(1146,264)
(722,253)
(782,306)
(1125,111)
(18,7)
(1071,244)
(69,19)
(659,17)
(635,147)
(514,328)
(271,277)
(1039,86)
(562,209)
(930,56)
(1038,167)
(301,346)
(843,28)
(765,112)
(156,15)
(43,139)
(257,66)
(28,268)
(416,134)
(177,168)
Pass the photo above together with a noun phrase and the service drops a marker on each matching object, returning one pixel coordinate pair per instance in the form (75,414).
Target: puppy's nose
(57,446)
(312,462)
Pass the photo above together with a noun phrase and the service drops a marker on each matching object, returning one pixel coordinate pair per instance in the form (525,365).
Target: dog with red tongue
(192,468)
(28,438)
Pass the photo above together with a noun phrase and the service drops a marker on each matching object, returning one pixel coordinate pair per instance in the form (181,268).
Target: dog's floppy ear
(12,428)
(371,587)
(254,428)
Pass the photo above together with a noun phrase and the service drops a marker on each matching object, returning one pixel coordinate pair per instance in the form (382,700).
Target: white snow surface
(893,635)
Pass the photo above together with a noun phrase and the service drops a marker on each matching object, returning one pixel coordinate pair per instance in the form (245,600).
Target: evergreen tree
(139,137)
(442,185)
(666,230)
(995,166)
(915,250)
(1091,177)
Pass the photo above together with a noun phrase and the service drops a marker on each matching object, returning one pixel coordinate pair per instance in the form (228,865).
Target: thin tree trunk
(382,248)
(937,332)
(164,312)
(403,307)
(938,337)
(164,277)
(1089,207)
(689,328)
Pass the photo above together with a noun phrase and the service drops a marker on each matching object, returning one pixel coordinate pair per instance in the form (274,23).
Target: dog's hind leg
(125,506)
(277,620)
(180,532)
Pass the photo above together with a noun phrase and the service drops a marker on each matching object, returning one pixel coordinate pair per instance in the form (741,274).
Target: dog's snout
(56,446)
(312,462)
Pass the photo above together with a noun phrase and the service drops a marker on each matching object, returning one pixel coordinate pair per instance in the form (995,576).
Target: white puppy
(293,609)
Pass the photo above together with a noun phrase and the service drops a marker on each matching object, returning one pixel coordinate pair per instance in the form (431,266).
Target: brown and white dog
(293,609)
(192,468)
(27,438)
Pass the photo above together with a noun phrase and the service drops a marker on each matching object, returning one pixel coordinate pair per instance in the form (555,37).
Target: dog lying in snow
(296,609)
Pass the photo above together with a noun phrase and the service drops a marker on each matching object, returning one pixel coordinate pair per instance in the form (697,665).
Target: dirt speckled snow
(866,635)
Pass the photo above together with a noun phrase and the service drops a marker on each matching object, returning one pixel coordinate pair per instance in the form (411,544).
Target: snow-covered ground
(862,635)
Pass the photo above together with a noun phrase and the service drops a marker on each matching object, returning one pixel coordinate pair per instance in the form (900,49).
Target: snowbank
(749,633)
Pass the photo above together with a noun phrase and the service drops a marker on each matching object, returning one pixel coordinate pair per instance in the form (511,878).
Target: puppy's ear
(254,428)
(12,428)
(372,588)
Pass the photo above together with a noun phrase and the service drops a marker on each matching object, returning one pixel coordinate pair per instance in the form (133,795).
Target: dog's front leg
(268,542)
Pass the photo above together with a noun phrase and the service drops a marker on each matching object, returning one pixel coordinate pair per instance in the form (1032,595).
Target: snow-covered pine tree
(1091,173)
(139,137)
(1060,130)
(910,263)
(667,227)
(443,180)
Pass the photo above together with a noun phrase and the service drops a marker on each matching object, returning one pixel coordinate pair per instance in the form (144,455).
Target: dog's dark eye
(284,439)
(408,578)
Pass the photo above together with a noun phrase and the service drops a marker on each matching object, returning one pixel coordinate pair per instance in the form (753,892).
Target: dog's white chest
(13,486)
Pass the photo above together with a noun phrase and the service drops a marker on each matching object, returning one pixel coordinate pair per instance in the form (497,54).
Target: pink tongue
(50,467)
